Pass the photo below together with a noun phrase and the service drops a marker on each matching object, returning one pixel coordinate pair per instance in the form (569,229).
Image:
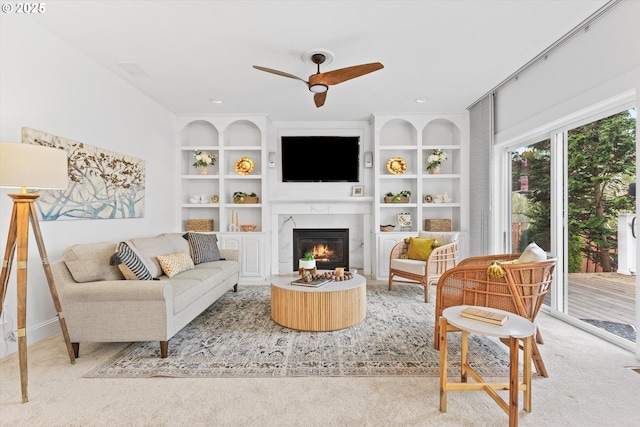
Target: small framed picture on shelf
(404,219)
(357,191)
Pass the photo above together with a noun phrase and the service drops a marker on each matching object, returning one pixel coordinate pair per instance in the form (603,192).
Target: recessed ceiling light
(421,100)
(216,100)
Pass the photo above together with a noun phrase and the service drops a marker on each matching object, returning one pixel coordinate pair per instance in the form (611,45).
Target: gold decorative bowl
(387,227)
(248,227)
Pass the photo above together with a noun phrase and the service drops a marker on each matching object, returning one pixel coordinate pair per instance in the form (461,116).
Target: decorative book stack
(484,316)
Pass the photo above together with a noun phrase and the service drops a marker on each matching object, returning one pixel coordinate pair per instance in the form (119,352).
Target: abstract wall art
(102,184)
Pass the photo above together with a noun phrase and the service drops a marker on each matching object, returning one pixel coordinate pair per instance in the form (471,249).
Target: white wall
(46,84)
(335,190)
(328,205)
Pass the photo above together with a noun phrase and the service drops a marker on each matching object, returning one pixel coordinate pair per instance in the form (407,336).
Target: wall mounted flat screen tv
(320,158)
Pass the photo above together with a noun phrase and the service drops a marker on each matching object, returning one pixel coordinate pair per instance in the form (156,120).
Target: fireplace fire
(329,246)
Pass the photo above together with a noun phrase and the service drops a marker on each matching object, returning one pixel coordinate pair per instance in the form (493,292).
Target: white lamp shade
(32,166)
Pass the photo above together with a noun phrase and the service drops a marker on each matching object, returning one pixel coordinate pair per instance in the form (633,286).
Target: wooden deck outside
(603,296)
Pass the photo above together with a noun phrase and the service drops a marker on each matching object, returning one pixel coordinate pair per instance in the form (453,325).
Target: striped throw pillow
(129,263)
(204,247)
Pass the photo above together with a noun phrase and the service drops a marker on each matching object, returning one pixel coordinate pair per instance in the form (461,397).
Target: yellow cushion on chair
(420,249)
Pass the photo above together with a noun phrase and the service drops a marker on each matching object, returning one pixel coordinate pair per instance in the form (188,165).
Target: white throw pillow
(532,253)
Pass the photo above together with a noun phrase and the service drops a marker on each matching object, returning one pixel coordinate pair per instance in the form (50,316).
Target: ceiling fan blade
(319,98)
(343,74)
(279,73)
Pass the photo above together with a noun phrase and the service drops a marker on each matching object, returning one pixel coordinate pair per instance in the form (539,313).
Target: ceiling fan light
(318,88)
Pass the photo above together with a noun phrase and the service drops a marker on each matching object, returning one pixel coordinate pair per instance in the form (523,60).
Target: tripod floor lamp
(35,167)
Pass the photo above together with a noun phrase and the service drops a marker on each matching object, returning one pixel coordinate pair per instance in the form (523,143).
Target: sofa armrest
(119,311)
(117,290)
(229,254)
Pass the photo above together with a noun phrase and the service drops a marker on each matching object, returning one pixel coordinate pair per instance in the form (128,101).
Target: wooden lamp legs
(18,238)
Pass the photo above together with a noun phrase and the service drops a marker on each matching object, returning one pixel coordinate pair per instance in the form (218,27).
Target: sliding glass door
(600,165)
(570,193)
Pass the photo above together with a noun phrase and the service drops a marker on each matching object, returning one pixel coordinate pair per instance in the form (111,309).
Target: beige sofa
(100,305)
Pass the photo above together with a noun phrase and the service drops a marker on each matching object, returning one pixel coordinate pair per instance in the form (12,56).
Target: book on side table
(486,316)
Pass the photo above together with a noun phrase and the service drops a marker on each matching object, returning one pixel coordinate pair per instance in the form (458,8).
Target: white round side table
(516,328)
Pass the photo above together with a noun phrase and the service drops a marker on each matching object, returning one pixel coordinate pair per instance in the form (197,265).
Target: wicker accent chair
(521,290)
(428,272)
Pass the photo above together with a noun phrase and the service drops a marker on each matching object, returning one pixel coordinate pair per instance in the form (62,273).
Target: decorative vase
(435,170)
(204,170)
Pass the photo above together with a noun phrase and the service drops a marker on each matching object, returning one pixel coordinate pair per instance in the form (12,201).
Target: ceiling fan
(319,83)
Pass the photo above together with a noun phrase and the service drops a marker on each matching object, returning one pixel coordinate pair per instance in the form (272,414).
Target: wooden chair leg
(537,360)
(536,357)
(539,339)
(390,280)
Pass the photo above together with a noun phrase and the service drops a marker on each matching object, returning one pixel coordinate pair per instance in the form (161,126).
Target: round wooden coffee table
(336,305)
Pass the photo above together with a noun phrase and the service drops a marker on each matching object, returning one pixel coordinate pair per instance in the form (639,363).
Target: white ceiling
(450,52)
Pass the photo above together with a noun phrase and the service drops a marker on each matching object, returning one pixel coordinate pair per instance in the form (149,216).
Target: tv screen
(320,158)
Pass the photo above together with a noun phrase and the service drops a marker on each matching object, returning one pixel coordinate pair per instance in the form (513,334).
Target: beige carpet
(590,384)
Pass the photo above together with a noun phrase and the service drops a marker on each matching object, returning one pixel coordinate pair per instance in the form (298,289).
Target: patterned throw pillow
(204,247)
(173,264)
(129,263)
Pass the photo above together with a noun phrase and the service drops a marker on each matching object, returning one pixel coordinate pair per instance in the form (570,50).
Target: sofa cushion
(90,262)
(129,263)
(150,247)
(189,285)
(409,265)
(532,253)
(177,241)
(173,264)
(420,249)
(204,247)
(227,266)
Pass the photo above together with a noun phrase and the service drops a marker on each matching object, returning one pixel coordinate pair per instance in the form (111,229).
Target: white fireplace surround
(285,216)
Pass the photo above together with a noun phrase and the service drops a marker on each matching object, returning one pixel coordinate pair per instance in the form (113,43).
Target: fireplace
(329,246)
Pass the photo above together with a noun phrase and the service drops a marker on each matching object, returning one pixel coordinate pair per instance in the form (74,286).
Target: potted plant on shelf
(242,197)
(203,160)
(402,197)
(435,160)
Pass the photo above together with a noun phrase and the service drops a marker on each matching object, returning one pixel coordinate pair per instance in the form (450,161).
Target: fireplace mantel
(321,209)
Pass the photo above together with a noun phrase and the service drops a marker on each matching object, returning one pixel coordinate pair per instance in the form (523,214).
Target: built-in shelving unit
(433,196)
(229,138)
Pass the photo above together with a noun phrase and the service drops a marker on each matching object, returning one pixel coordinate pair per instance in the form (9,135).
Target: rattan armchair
(424,273)
(521,290)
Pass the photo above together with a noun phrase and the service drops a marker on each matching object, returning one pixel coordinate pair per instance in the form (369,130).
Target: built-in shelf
(229,138)
(413,138)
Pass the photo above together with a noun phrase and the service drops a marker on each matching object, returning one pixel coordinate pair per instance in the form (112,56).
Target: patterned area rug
(236,337)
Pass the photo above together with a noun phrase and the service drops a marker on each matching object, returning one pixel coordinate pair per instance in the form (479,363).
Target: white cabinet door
(252,261)
(250,247)
(386,242)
